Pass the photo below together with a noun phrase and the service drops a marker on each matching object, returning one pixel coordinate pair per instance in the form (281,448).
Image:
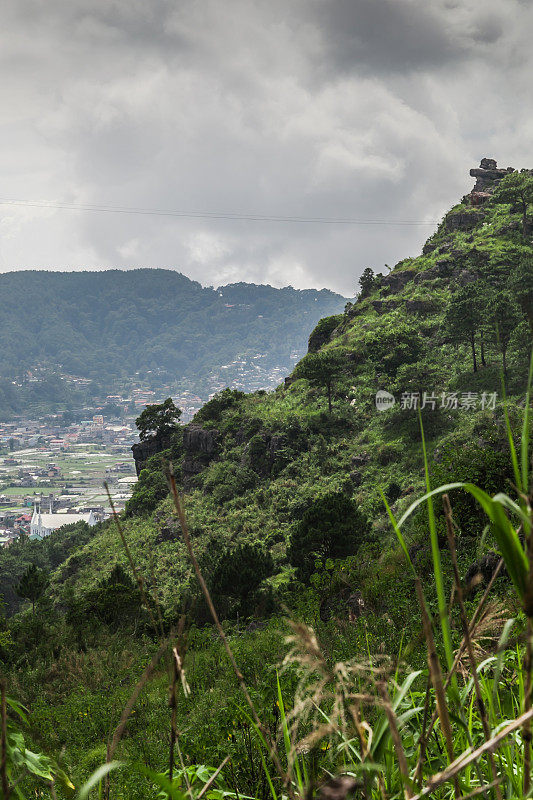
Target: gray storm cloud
(360,109)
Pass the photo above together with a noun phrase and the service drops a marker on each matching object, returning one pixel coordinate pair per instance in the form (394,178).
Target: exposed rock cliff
(142,451)
(200,448)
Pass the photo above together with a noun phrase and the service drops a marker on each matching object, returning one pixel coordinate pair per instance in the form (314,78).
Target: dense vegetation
(300,500)
(158,324)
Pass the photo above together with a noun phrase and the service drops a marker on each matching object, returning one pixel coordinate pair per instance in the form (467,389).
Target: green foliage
(321,333)
(521,286)
(366,282)
(517,187)
(115,601)
(288,492)
(32,585)
(159,419)
(331,527)
(463,317)
(505,315)
(151,487)
(211,411)
(321,369)
(225,481)
(486,464)
(239,575)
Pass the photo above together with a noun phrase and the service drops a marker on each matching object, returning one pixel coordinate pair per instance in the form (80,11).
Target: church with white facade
(44,524)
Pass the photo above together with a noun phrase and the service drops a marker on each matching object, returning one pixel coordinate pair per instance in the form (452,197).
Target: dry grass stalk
(213,778)
(335,688)
(466,633)
(436,678)
(240,678)
(178,676)
(396,740)
(423,737)
(469,756)
(481,789)
(474,622)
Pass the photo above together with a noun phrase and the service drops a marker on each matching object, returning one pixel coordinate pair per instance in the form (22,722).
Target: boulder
(429,247)
(168,532)
(395,281)
(466,277)
(384,306)
(360,459)
(356,477)
(266,453)
(478,198)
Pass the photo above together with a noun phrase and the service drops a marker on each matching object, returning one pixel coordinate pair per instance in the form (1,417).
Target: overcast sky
(359,109)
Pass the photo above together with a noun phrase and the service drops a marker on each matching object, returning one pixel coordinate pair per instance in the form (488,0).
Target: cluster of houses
(49,434)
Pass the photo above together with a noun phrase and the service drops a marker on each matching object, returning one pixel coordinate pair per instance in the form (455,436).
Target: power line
(245,217)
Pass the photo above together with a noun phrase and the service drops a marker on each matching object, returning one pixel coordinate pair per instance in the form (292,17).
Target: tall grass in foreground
(372,728)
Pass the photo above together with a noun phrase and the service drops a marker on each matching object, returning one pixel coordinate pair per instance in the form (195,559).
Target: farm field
(80,472)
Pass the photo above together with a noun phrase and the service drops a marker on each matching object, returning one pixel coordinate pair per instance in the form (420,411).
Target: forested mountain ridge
(109,325)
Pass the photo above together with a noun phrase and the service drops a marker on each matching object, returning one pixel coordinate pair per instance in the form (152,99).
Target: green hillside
(153,324)
(273,454)
(284,496)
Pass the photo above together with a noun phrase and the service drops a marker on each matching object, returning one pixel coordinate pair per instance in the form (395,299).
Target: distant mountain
(152,325)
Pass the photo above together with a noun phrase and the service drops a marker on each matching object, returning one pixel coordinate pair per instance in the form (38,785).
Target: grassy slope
(397,349)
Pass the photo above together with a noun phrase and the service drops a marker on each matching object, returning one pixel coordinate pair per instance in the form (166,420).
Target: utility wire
(248,217)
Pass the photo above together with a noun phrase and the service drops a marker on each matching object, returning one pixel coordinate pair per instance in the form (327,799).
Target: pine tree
(32,585)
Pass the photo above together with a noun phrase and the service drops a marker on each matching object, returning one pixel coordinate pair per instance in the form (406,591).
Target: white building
(44,524)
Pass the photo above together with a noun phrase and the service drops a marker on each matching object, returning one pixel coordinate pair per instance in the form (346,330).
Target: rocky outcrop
(442,269)
(200,446)
(420,306)
(384,306)
(488,175)
(478,198)
(466,277)
(463,220)
(395,281)
(142,451)
(267,453)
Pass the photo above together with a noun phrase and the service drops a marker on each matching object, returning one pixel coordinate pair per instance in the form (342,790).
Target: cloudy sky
(325,109)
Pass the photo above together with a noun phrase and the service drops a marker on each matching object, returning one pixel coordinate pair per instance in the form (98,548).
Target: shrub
(239,574)
(332,527)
